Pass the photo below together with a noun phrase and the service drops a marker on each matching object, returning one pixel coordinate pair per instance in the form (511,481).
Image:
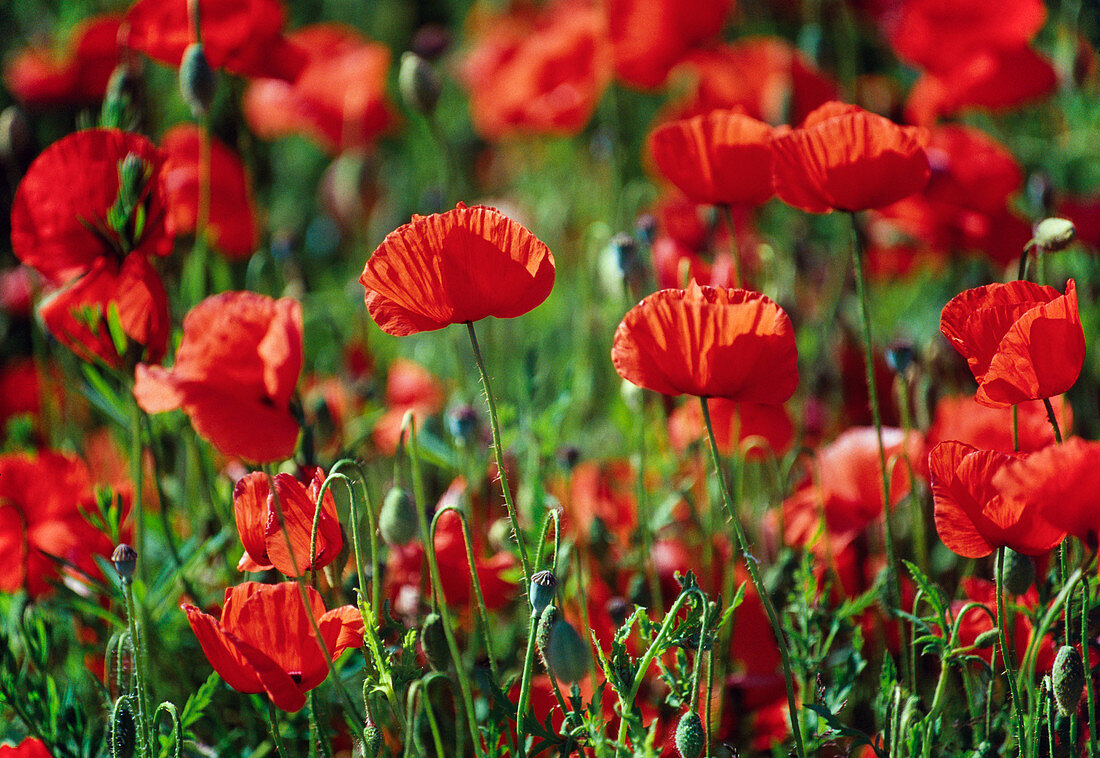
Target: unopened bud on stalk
(125,559)
(371,745)
(900,355)
(397,520)
(1019,572)
(689,735)
(541,591)
(197,80)
(433,641)
(567,654)
(1069,680)
(547,619)
(987,639)
(419,83)
(1053,234)
(462,423)
(123,735)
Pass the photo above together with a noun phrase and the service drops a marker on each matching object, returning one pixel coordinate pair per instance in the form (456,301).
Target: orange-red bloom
(261,530)
(722,158)
(540,73)
(1022,341)
(734,425)
(28,748)
(242,36)
(964,419)
(972,517)
(235,372)
(409,387)
(709,342)
(649,37)
(845,158)
(38,77)
(264,641)
(231,227)
(455,267)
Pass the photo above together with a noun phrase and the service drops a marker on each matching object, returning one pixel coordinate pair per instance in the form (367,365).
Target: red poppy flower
(264,641)
(38,77)
(976,622)
(722,158)
(339,99)
(19,389)
(241,36)
(28,748)
(603,490)
(1061,482)
(734,425)
(709,342)
(263,536)
(845,158)
(972,517)
(409,387)
(1022,341)
(232,227)
(59,215)
(649,37)
(996,80)
(937,34)
(43,498)
(455,267)
(964,419)
(79,315)
(234,375)
(17,287)
(538,73)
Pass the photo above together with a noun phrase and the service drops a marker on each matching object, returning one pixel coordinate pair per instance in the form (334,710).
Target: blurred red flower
(1021,340)
(339,99)
(537,72)
(19,389)
(649,37)
(42,501)
(455,267)
(722,158)
(261,530)
(39,77)
(708,342)
(242,36)
(409,387)
(264,641)
(28,748)
(845,158)
(234,375)
(59,217)
(972,517)
(964,419)
(734,425)
(603,490)
(976,622)
(232,228)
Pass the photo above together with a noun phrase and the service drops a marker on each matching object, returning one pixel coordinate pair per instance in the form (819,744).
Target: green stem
(144,729)
(273,723)
(1006,654)
(136,478)
(319,737)
(532,630)
(758,582)
(1094,747)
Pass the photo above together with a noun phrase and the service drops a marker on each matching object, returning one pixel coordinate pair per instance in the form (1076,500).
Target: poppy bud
(125,559)
(433,641)
(546,622)
(123,734)
(987,638)
(689,736)
(646,227)
(197,81)
(617,610)
(569,456)
(371,745)
(626,254)
(1069,680)
(397,520)
(462,423)
(1053,234)
(567,654)
(541,591)
(419,83)
(1019,573)
(899,356)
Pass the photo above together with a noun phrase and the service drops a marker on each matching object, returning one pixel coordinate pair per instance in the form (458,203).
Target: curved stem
(758,582)
(273,723)
(532,630)
(1006,654)
(137,648)
(375,585)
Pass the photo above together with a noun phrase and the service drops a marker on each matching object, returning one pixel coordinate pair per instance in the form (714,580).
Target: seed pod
(567,654)
(541,592)
(125,559)
(123,735)
(546,622)
(433,641)
(419,83)
(397,521)
(689,735)
(987,638)
(1055,233)
(1069,680)
(197,80)
(1019,572)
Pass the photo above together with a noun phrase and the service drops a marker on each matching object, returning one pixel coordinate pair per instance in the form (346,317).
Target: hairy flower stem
(273,724)
(893,581)
(532,630)
(144,730)
(137,472)
(513,516)
(1006,654)
(1094,748)
(757,581)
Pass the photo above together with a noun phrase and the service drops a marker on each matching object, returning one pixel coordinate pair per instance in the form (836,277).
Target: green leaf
(198,701)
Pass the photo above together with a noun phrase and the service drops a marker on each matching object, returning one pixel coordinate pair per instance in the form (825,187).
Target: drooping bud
(547,619)
(900,356)
(541,591)
(1019,572)
(371,745)
(987,639)
(125,559)
(397,520)
(123,735)
(567,654)
(462,423)
(433,641)
(1053,234)
(689,735)
(419,83)
(1069,679)
(197,80)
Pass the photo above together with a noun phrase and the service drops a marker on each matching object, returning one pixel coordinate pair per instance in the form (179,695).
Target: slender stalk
(758,582)
(320,739)
(513,516)
(532,630)
(136,478)
(1094,747)
(144,729)
(1053,418)
(735,250)
(1006,654)
(273,723)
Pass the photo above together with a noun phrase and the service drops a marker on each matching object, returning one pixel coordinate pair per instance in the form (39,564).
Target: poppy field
(480,378)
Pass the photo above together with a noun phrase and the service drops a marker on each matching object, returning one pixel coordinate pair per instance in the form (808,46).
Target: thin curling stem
(1006,655)
(757,581)
(532,629)
(375,585)
(273,724)
(513,516)
(144,729)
